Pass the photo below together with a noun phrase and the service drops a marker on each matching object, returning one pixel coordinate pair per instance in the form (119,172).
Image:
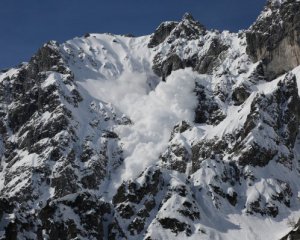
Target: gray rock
(175,225)
(274,39)
(207,110)
(240,95)
(161,33)
(206,63)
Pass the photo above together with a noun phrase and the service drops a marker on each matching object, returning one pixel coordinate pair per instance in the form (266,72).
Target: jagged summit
(188,16)
(277,3)
(184,134)
(187,27)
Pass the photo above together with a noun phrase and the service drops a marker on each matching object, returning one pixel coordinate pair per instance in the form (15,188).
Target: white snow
(125,80)
(154,116)
(115,72)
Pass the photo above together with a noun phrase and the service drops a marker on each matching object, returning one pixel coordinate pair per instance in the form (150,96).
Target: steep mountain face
(187,133)
(274,37)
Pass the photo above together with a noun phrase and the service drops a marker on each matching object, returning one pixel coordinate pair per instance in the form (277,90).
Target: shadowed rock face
(206,63)
(81,205)
(176,36)
(161,33)
(164,64)
(274,38)
(295,233)
(207,110)
(171,33)
(188,28)
(240,94)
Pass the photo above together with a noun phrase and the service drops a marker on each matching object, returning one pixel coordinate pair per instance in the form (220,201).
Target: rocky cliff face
(274,37)
(186,133)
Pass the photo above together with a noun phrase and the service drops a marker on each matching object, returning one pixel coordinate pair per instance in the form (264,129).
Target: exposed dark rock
(125,211)
(150,204)
(133,193)
(108,134)
(206,150)
(164,68)
(207,110)
(180,128)
(285,119)
(164,65)
(269,209)
(274,39)
(187,28)
(136,226)
(294,234)
(134,202)
(177,156)
(115,232)
(161,33)
(189,211)
(206,63)
(11,231)
(240,95)
(285,122)
(232,198)
(175,225)
(86,207)
(66,183)
(257,156)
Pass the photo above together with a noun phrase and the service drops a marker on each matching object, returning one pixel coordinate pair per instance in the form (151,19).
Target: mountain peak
(188,16)
(187,28)
(275,3)
(189,21)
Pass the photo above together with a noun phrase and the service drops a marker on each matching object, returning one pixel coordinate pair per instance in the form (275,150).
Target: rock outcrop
(274,37)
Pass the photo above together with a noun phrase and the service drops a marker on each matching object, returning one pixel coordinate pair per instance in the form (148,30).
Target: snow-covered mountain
(187,133)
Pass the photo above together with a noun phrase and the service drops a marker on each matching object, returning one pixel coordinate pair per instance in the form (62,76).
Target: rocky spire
(188,16)
(187,28)
(275,3)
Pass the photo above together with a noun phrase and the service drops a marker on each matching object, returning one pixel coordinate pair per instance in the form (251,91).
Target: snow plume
(154,116)
(153,113)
